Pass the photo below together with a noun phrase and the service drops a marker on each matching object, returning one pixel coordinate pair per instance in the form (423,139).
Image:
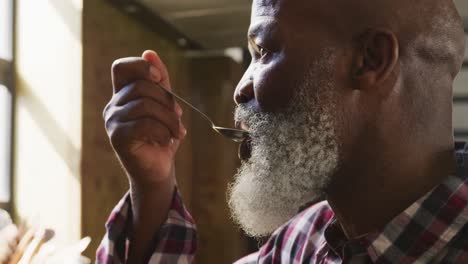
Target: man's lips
(245,148)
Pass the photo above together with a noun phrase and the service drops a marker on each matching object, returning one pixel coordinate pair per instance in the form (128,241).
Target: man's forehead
(277,8)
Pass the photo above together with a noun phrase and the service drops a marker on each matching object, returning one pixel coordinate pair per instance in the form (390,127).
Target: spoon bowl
(235,135)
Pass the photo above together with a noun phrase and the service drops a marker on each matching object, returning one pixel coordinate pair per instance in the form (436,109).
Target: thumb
(157,64)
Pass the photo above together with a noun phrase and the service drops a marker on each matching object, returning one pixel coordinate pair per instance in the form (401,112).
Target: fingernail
(171,142)
(155,74)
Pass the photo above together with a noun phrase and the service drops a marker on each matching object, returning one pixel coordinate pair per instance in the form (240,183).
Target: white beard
(294,154)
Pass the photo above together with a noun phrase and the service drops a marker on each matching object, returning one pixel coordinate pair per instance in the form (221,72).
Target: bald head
(428,30)
(431,30)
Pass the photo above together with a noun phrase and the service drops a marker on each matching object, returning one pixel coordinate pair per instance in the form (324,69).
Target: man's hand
(144,127)
(142,120)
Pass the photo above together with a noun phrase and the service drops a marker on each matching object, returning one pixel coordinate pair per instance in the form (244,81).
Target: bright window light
(6,14)
(5,123)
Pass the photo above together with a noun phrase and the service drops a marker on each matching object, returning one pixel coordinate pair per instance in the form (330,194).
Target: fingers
(140,130)
(144,99)
(159,71)
(149,68)
(139,110)
(143,88)
(147,108)
(142,120)
(128,70)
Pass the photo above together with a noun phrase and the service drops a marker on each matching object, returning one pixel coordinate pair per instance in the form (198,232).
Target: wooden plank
(215,160)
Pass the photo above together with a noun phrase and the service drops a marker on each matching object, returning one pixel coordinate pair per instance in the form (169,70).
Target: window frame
(461,100)
(462,134)
(7,79)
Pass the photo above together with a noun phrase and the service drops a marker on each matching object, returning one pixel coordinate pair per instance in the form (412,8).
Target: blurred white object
(25,245)
(5,219)
(41,237)
(8,241)
(26,238)
(69,255)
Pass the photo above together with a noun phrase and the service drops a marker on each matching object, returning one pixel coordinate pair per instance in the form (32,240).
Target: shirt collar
(429,224)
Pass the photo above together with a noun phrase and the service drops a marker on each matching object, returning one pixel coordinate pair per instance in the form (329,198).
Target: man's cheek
(273,87)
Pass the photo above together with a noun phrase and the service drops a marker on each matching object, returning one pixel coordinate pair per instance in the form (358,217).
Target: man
(346,100)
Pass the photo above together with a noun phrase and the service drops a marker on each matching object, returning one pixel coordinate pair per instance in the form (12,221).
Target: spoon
(235,135)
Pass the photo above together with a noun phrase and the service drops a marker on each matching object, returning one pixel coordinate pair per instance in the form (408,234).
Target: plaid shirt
(432,230)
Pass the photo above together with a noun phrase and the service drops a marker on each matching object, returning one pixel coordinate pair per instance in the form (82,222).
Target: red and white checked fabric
(175,242)
(432,230)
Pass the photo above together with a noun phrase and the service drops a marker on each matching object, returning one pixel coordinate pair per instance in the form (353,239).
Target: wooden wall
(215,159)
(205,162)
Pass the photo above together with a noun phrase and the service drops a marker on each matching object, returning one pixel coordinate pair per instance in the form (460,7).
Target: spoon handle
(185,102)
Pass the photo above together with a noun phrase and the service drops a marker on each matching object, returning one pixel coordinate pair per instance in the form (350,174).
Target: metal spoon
(236,135)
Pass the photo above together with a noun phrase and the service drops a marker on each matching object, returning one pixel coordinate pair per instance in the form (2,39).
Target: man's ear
(377,59)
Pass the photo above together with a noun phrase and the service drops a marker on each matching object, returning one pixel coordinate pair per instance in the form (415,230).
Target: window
(6,86)
(460,101)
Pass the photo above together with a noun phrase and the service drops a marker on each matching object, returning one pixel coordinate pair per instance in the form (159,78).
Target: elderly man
(346,100)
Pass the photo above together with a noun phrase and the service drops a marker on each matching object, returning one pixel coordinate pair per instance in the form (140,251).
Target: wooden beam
(155,23)
(461,133)
(460,99)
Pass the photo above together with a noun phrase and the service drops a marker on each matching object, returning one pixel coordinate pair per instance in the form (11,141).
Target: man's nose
(244,91)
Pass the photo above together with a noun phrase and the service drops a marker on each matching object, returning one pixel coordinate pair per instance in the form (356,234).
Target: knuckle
(117,65)
(105,111)
(108,124)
